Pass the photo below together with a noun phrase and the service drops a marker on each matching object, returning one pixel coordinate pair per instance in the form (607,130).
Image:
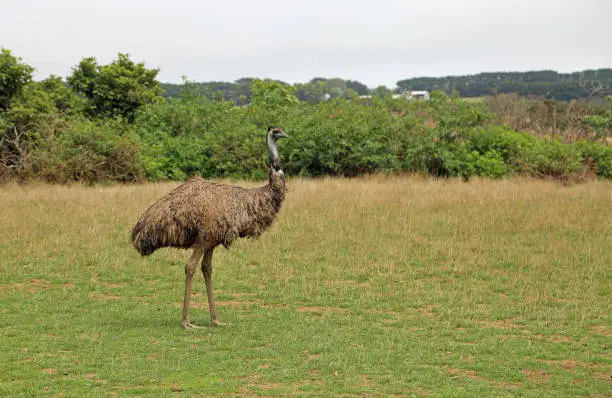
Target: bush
(343,137)
(491,164)
(598,156)
(553,158)
(90,152)
(509,145)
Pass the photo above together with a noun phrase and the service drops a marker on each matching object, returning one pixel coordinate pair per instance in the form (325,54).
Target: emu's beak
(283,135)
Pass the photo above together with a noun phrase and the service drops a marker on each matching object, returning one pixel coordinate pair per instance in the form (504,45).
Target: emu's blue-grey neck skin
(273,152)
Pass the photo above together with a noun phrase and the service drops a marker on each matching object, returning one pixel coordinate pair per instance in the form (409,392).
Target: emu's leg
(207,271)
(190,268)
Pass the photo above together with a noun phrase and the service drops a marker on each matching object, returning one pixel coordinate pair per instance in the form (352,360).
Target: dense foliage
(110,123)
(117,89)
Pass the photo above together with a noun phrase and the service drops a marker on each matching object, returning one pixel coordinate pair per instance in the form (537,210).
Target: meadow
(375,286)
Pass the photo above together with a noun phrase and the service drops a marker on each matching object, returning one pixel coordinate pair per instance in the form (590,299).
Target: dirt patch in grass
(536,375)
(501,324)
(470,374)
(567,364)
(607,376)
(269,386)
(32,286)
(602,330)
(49,371)
(570,364)
(555,338)
(464,372)
(253,381)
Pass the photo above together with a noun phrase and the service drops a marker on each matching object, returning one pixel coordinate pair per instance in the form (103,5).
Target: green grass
(375,286)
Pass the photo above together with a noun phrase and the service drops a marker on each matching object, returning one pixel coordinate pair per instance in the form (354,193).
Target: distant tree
(382,91)
(245,80)
(351,94)
(312,92)
(171,90)
(336,87)
(360,88)
(541,76)
(318,79)
(14,75)
(116,89)
(543,83)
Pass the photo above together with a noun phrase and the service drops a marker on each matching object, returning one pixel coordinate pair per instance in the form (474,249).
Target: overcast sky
(374,41)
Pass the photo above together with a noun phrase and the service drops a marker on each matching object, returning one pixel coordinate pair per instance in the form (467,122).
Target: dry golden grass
(378,285)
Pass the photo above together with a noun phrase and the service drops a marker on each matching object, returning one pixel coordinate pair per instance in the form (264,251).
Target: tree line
(593,83)
(544,83)
(110,122)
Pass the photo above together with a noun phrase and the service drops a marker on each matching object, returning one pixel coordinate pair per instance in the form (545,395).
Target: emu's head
(276,132)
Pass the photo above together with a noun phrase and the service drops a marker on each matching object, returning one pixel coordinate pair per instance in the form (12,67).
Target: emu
(202,215)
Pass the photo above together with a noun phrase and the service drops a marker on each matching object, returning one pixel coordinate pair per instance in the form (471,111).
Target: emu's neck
(276,176)
(273,153)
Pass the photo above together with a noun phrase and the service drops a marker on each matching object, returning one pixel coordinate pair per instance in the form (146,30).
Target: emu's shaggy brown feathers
(203,211)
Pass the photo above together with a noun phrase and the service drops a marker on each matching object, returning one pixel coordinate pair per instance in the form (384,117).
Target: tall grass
(376,286)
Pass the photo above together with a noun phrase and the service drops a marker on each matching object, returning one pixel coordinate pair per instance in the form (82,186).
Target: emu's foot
(215,322)
(189,325)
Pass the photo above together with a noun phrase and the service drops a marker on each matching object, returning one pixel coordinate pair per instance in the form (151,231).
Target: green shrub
(342,137)
(89,152)
(597,155)
(510,145)
(491,164)
(553,158)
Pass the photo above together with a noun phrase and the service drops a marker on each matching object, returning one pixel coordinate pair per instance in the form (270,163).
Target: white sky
(375,41)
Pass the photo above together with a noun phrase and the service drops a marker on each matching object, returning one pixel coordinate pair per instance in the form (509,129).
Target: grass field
(377,286)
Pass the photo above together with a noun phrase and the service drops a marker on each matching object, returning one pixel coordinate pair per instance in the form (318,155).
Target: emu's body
(202,215)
